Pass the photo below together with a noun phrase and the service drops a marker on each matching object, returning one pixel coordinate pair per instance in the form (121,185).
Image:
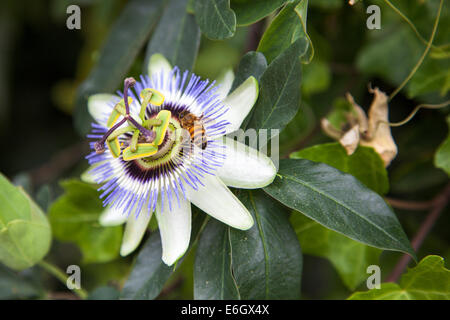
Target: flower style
(144,166)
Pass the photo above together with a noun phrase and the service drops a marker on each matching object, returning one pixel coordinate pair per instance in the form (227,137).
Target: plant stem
(413,27)
(416,109)
(409,205)
(61,276)
(438,205)
(422,58)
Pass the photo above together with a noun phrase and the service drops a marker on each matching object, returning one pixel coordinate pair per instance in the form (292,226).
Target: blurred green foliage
(429,280)
(43,64)
(74,218)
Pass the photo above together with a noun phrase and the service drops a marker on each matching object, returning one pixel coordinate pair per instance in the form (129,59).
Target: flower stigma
(146,134)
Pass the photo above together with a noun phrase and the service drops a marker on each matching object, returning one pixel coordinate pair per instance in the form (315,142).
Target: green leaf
(316,77)
(279,97)
(213,278)
(104,293)
(215,57)
(338,115)
(250,11)
(433,75)
(177,36)
(350,258)
(96,275)
(429,280)
(17,286)
(215,18)
(339,202)
(298,128)
(74,218)
(252,64)
(287,27)
(365,164)
(442,156)
(126,38)
(394,50)
(384,55)
(25,233)
(149,272)
(267,259)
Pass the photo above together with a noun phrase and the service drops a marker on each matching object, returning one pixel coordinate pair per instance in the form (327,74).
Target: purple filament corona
(131,187)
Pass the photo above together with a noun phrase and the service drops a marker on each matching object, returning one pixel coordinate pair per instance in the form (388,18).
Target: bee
(194,125)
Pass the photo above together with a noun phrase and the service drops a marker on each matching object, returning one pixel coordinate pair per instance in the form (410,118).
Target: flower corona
(160,145)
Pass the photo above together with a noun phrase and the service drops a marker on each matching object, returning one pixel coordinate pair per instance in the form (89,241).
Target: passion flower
(150,159)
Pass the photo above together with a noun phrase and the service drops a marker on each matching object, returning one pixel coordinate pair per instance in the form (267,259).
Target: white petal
(224,81)
(87,175)
(240,102)
(100,106)
(134,231)
(157,64)
(245,167)
(112,217)
(219,202)
(175,229)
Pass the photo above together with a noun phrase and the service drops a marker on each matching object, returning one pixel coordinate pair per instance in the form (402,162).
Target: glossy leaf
(215,18)
(339,202)
(429,280)
(267,259)
(442,157)
(252,64)
(149,272)
(298,128)
(250,11)
(177,36)
(213,277)
(365,164)
(74,218)
(350,258)
(279,97)
(25,233)
(288,26)
(126,38)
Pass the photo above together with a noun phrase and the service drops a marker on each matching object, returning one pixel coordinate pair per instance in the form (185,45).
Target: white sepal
(219,202)
(174,228)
